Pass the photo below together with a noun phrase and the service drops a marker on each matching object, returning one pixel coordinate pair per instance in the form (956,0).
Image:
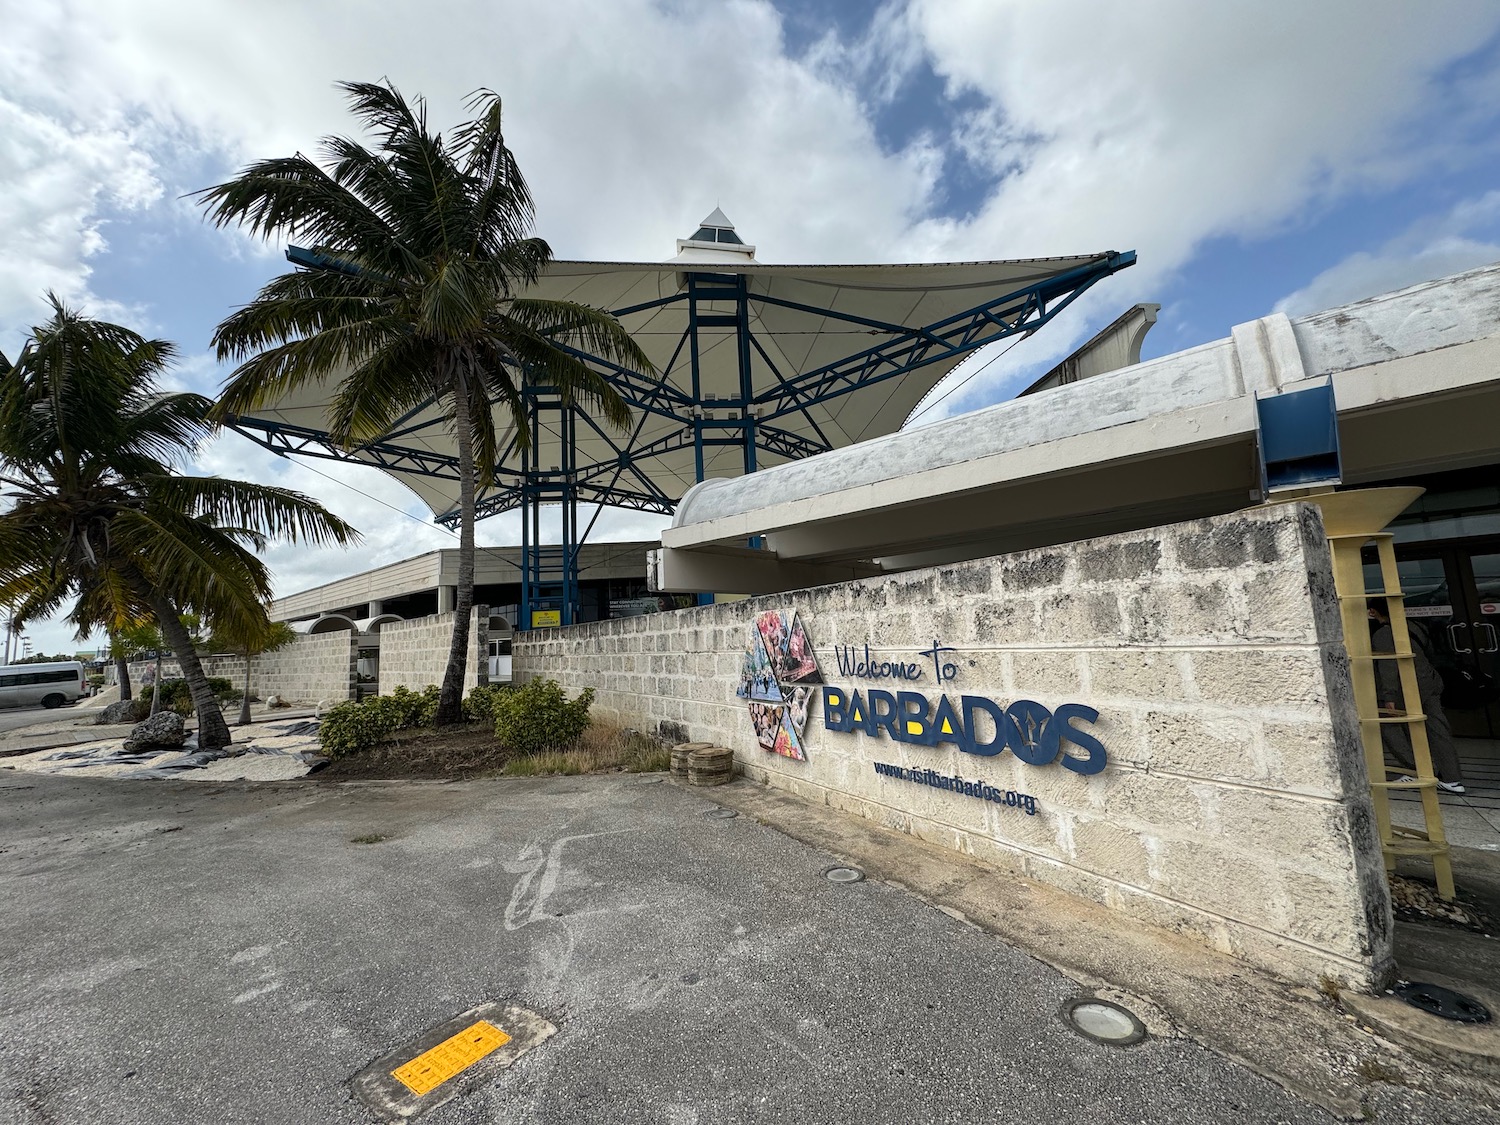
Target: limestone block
(1006,621)
(1191,612)
(1120,560)
(1227,541)
(971,578)
(1032,570)
(1188,742)
(1082,617)
(1140,674)
(1222,880)
(1106,848)
(1260,678)
(1303,757)
(1046,673)
(1299,833)
(1153,803)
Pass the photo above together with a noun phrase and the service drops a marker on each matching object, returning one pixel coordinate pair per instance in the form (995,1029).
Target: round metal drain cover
(843,875)
(721,814)
(1103,1022)
(1436,1000)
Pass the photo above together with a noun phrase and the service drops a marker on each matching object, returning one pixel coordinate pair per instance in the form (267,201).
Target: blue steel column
(549,574)
(747,387)
(697,378)
(528,510)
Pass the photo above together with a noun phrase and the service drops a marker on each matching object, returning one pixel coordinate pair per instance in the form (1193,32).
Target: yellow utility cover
(452,1056)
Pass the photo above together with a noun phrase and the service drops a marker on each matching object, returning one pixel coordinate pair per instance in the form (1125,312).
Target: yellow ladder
(1351,520)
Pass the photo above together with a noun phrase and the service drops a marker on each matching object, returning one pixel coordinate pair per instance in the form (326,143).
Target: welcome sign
(780,677)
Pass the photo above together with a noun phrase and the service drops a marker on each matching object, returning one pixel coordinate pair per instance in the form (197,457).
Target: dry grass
(469,750)
(603,747)
(472,750)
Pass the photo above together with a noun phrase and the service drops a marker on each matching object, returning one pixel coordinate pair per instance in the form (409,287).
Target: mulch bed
(1413,900)
(459,752)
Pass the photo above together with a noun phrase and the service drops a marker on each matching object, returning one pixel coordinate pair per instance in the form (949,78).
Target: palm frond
(240,508)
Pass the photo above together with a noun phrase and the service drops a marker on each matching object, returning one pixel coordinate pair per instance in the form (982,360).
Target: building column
(374,609)
(447,598)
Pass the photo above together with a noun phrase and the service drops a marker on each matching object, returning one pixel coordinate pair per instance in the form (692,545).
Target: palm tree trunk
(156,681)
(122,669)
(450,707)
(245,699)
(213,731)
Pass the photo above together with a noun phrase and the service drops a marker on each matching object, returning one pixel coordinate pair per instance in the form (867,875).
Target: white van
(51,685)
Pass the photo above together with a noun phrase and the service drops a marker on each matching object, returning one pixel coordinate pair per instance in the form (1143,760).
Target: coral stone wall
(309,670)
(1234,804)
(414,653)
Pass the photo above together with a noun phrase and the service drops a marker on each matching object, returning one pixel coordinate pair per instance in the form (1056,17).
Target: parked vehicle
(51,685)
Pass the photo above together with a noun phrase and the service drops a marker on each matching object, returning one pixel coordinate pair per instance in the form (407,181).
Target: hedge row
(533,717)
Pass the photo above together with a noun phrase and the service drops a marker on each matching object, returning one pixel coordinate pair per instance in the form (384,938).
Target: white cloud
(1152,126)
(56,180)
(1432,248)
(1155,126)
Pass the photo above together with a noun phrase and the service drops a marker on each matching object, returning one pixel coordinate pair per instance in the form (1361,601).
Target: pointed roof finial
(718,220)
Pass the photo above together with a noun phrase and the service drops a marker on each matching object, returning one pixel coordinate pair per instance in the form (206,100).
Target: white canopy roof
(802,318)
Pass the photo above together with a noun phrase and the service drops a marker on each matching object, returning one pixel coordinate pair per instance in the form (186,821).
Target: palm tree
(100,517)
(277,634)
(427,245)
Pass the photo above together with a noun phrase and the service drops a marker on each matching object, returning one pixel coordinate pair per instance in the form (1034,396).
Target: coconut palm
(100,518)
(427,251)
(276,635)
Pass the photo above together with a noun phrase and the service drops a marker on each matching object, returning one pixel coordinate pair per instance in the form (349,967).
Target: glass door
(1453,596)
(1480,571)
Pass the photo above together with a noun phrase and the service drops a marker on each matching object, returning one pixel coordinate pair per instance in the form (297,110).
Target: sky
(1259,157)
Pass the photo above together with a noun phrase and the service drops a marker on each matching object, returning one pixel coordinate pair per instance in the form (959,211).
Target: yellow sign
(455,1055)
(546,618)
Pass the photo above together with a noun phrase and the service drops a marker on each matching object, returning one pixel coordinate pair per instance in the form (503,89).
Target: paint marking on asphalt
(448,1061)
(453,1055)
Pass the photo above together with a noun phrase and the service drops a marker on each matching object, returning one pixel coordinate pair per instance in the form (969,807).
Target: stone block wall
(1234,805)
(309,670)
(414,653)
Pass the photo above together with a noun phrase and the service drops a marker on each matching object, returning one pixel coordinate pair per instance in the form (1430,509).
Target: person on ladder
(1397,736)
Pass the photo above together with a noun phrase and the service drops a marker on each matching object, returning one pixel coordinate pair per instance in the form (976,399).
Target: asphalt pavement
(15,718)
(180,952)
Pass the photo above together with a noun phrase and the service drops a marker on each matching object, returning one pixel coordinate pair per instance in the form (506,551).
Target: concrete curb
(1473,1046)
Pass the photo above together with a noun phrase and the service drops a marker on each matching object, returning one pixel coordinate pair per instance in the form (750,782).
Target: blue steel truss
(550,571)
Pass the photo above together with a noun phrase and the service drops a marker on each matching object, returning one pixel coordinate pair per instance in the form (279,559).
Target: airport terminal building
(1111,635)
(1102,635)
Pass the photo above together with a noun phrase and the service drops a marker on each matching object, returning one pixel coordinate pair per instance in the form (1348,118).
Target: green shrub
(351,727)
(537,716)
(176,697)
(224,689)
(479,704)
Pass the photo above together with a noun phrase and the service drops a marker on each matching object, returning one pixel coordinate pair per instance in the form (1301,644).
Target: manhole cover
(1436,1000)
(721,814)
(843,875)
(1103,1022)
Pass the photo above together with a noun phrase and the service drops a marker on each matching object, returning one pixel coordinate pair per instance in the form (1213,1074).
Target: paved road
(14,718)
(178,952)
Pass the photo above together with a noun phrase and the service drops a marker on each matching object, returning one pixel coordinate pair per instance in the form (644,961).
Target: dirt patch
(472,750)
(1413,900)
(459,752)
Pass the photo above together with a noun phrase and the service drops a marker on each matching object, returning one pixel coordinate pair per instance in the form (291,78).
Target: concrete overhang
(1416,378)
